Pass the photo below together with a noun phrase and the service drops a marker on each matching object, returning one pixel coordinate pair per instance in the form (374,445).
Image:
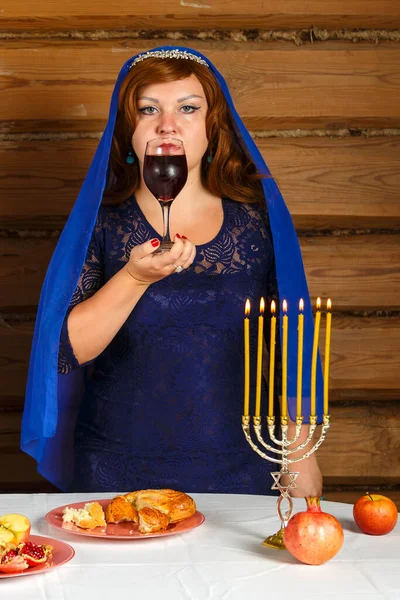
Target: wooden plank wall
(317,84)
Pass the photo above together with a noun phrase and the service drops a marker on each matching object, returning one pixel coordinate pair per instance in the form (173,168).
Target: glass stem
(166,207)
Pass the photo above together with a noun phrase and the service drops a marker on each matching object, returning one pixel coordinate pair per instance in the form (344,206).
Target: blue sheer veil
(52,400)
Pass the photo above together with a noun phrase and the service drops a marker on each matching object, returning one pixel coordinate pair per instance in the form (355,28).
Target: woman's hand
(309,480)
(146,267)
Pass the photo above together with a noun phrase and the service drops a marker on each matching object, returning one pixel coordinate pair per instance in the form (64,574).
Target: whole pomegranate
(313,536)
(375,514)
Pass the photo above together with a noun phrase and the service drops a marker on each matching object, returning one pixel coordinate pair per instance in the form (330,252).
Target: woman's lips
(167,147)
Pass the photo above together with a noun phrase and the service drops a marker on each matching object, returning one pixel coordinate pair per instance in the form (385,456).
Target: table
(223,559)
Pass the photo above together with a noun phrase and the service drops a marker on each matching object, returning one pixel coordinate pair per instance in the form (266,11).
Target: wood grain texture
(363,441)
(350,496)
(92,14)
(357,272)
(333,183)
(18,470)
(327,183)
(364,356)
(23,265)
(49,85)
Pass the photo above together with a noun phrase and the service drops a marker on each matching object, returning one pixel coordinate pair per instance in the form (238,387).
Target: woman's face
(175,109)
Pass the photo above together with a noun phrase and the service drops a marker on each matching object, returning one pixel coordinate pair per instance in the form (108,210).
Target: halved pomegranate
(7,555)
(33,554)
(12,563)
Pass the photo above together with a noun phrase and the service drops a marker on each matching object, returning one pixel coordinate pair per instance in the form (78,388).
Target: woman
(161,333)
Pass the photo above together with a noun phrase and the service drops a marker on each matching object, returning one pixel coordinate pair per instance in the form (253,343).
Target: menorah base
(276,540)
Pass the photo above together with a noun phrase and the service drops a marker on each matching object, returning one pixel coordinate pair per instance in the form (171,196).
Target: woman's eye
(148,110)
(189,109)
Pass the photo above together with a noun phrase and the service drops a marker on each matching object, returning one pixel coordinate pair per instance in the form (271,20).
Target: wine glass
(165,173)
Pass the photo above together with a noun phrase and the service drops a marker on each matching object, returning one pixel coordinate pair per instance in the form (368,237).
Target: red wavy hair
(231,173)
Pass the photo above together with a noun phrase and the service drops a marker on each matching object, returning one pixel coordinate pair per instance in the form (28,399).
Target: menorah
(284,449)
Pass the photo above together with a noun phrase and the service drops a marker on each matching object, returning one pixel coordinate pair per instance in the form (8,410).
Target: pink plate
(62,553)
(119,531)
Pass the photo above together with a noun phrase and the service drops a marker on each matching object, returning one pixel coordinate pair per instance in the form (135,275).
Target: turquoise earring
(130,159)
(210,158)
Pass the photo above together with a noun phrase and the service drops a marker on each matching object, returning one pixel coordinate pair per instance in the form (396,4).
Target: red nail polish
(155,243)
(184,237)
(178,236)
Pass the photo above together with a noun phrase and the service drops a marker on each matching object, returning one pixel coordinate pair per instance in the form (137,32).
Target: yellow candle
(272,361)
(300,358)
(327,354)
(246,359)
(284,359)
(259,357)
(314,359)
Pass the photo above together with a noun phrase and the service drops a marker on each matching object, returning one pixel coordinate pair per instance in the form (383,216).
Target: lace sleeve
(91,279)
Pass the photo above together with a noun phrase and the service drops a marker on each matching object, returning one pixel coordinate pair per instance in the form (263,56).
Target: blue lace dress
(163,405)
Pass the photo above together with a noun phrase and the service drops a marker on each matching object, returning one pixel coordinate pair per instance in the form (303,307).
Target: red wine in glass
(165,174)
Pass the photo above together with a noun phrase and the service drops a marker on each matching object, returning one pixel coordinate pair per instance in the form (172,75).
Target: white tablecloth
(223,559)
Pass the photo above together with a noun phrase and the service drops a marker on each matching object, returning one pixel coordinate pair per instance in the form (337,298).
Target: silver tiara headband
(168,54)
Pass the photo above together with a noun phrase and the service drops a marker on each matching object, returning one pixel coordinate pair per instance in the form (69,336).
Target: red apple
(19,525)
(375,514)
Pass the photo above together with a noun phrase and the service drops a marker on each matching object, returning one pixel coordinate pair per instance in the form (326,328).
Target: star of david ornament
(282,488)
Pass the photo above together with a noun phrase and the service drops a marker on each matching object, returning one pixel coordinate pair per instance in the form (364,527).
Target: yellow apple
(18,525)
(5,535)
